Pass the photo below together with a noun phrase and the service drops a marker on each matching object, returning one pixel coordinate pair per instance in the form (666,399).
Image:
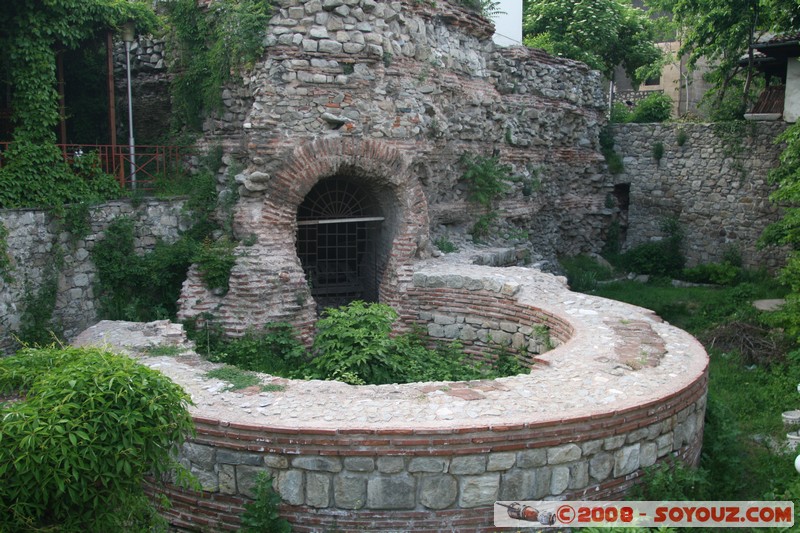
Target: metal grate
(336,243)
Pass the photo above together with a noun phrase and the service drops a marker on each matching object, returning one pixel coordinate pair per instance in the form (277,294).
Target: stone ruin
(349,136)
(350,133)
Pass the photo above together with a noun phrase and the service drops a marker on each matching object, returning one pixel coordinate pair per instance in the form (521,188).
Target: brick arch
(383,168)
(267,283)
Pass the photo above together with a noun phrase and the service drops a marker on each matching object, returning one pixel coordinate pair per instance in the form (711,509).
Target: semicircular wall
(622,391)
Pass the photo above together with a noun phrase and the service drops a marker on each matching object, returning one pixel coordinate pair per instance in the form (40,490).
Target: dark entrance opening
(338,231)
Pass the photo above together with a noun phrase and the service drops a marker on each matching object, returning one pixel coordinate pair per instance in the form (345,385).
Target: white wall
(791,102)
(508,26)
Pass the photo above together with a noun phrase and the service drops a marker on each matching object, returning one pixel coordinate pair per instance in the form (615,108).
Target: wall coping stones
(581,379)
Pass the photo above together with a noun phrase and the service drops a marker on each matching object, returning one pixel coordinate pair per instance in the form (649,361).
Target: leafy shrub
(134,287)
(355,338)
(445,245)
(261,516)
(658,258)
(620,113)
(353,342)
(716,273)
(681,137)
(274,350)
(88,427)
(613,159)
(658,151)
(655,107)
(36,175)
(666,481)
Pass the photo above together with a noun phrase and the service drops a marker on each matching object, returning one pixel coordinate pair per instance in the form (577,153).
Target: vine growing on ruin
(6,264)
(486,179)
(34,171)
(212,46)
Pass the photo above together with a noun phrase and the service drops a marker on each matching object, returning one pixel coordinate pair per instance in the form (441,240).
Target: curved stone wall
(622,391)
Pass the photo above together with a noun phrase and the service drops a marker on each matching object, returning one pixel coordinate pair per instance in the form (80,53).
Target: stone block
(227,479)
(518,484)
(276,461)
(579,475)
(664,444)
(391,492)
(427,464)
(391,465)
(563,454)
(559,480)
(246,479)
(318,489)
(468,464)
(531,458)
(626,460)
(320,464)
(238,458)
(350,492)
(600,466)
(501,461)
(329,46)
(291,487)
(648,454)
(359,464)
(309,45)
(199,454)
(477,491)
(612,443)
(438,491)
(591,447)
(208,479)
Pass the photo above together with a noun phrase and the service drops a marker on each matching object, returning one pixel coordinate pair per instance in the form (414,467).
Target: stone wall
(40,247)
(715,184)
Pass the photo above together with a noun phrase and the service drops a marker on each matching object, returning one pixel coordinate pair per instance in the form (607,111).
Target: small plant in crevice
(658,151)
(75,221)
(481,229)
(681,137)
(387,58)
(445,245)
(261,515)
(486,178)
(613,159)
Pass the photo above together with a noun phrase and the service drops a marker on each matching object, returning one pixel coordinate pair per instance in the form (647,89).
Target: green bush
(663,258)
(274,350)
(139,287)
(86,429)
(655,107)
(620,113)
(215,260)
(261,516)
(716,273)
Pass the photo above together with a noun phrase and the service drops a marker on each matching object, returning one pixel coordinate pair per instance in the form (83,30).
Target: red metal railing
(152,162)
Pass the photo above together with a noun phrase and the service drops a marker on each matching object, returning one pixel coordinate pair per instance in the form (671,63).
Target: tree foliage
(721,32)
(601,33)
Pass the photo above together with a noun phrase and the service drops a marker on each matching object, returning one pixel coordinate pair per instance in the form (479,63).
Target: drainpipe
(128,35)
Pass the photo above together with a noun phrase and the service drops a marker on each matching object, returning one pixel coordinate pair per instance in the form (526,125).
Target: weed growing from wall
(36,322)
(658,151)
(613,159)
(486,179)
(261,516)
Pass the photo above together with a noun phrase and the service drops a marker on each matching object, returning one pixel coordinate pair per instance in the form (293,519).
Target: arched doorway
(338,235)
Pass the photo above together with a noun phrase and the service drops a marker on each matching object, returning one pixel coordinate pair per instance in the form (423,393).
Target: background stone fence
(712,178)
(42,251)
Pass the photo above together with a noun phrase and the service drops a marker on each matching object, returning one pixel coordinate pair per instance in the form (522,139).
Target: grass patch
(236,377)
(163,351)
(273,387)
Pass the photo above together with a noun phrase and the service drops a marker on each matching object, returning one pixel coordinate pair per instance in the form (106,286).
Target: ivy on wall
(34,172)
(211,47)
